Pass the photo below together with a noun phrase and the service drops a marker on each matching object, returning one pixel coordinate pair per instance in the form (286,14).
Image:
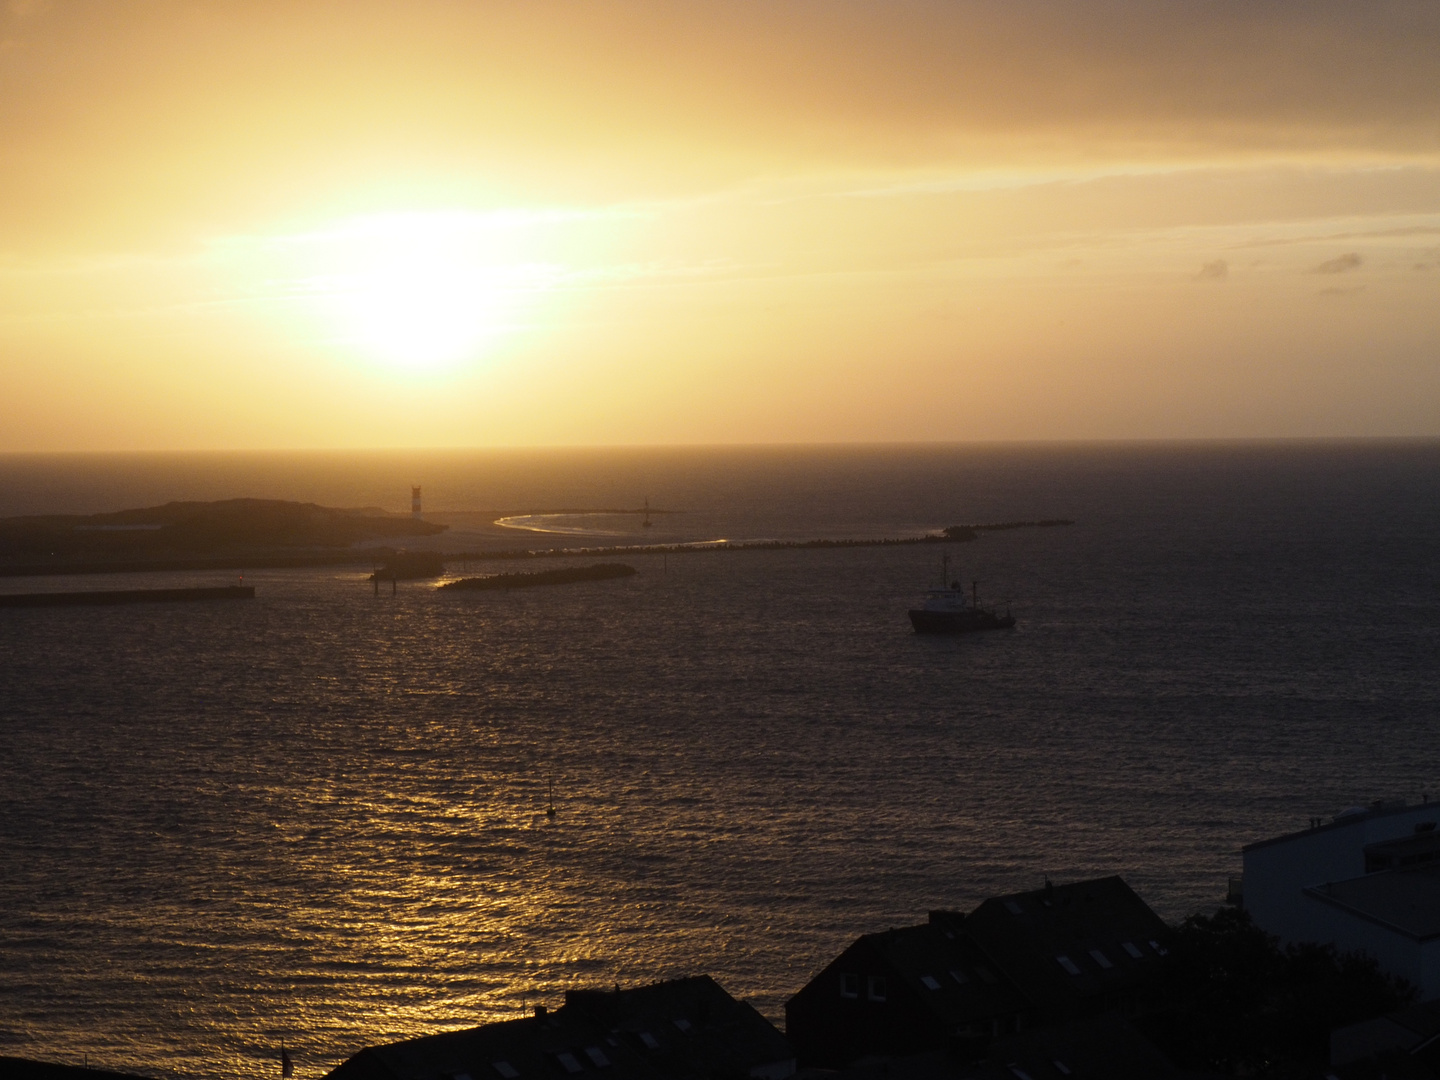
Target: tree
(1236,1002)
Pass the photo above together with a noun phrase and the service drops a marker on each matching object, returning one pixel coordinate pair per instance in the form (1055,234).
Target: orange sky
(236,225)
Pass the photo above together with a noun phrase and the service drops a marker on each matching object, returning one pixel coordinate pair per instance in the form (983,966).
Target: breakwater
(127,596)
(953,534)
(570,575)
(1043,523)
(260,560)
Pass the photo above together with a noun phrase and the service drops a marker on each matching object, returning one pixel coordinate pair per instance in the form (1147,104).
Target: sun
(426,291)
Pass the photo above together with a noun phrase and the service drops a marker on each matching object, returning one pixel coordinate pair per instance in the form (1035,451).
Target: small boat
(947,610)
(647,522)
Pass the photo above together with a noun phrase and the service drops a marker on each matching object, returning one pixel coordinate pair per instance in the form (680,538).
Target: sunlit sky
(350,224)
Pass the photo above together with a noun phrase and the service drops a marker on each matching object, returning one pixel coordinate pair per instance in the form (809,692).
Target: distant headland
(234,533)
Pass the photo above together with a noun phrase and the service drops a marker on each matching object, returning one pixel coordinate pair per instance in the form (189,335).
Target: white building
(1367,881)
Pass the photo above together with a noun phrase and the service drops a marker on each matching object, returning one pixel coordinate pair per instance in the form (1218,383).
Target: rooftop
(14,1068)
(1066,943)
(1103,1046)
(678,1028)
(1405,900)
(949,972)
(1421,846)
(685,1025)
(1381,808)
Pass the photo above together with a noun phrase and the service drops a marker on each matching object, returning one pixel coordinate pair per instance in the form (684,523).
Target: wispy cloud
(1366,234)
(1218,270)
(1341,264)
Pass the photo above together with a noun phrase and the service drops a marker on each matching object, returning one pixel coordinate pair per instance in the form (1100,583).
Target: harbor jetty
(568,576)
(951,535)
(245,534)
(127,596)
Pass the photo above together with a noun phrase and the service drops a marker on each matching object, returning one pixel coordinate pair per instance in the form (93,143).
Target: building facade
(1366,881)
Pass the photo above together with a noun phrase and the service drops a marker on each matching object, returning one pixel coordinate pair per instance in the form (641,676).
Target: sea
(318,819)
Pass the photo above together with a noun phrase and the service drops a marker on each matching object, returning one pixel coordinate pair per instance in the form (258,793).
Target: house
(1405,1031)
(1366,881)
(14,1068)
(669,1031)
(901,991)
(690,1027)
(545,1045)
(1034,958)
(1074,950)
(1392,916)
(1098,1048)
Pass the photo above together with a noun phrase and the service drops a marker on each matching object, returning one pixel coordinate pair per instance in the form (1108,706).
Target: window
(958,976)
(876,988)
(1131,948)
(1068,964)
(568,1062)
(1014,907)
(1020,1074)
(505,1069)
(1061,1067)
(683,1024)
(651,1043)
(850,986)
(931,983)
(1101,959)
(1160,950)
(986,976)
(597,1057)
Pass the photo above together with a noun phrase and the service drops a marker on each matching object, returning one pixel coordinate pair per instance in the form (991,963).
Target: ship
(947,610)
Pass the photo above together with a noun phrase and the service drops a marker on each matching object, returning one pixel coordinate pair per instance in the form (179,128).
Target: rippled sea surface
(319,817)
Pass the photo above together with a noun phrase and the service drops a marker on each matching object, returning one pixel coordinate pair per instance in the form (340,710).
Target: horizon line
(866,444)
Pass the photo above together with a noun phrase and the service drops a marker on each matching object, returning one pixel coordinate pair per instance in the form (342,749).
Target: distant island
(196,535)
(114,597)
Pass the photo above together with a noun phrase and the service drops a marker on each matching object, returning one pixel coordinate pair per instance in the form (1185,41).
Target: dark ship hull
(958,622)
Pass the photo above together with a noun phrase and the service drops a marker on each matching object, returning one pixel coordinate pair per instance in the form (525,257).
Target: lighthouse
(415,503)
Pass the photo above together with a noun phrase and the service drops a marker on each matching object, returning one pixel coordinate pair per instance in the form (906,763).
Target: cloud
(1351,260)
(1368,234)
(1218,270)
(1349,290)
(167,117)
